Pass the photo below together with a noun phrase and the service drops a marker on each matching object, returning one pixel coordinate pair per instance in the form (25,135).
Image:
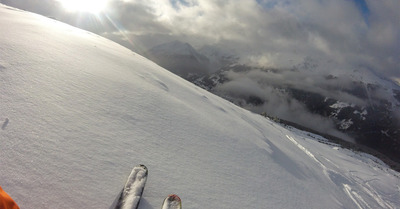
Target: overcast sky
(279,33)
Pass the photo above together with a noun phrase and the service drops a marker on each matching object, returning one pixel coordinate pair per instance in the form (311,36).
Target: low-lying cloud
(271,90)
(277,103)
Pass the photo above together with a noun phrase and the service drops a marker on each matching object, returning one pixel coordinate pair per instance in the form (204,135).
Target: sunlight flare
(91,6)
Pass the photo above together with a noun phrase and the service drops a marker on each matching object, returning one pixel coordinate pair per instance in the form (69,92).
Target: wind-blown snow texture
(79,111)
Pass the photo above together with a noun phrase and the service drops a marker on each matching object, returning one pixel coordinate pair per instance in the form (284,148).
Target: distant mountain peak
(175,47)
(180,58)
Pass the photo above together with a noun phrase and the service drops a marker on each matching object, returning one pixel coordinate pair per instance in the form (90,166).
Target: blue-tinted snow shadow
(145,205)
(3,127)
(285,161)
(338,179)
(278,155)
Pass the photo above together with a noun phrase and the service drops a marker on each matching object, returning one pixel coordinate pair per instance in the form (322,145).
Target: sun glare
(92,6)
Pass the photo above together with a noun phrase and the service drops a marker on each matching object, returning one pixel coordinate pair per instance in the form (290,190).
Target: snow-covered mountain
(217,58)
(79,111)
(180,58)
(356,105)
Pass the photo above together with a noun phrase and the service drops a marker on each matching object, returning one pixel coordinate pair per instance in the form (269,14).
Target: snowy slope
(80,111)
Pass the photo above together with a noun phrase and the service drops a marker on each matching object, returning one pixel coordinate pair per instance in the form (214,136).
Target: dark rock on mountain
(181,59)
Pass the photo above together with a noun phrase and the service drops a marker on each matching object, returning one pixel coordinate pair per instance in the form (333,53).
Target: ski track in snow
(346,181)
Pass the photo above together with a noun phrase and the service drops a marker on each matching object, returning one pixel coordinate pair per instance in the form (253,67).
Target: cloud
(278,102)
(44,7)
(353,33)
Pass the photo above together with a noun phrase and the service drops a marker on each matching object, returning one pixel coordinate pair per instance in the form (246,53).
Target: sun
(91,6)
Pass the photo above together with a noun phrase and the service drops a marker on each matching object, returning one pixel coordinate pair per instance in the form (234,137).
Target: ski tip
(142,167)
(173,197)
(172,201)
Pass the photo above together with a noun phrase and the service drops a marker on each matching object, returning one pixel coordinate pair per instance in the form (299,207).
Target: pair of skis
(130,195)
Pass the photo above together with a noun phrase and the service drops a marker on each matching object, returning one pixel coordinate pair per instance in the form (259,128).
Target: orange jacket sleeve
(6,202)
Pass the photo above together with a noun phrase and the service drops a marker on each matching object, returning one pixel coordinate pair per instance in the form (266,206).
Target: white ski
(130,195)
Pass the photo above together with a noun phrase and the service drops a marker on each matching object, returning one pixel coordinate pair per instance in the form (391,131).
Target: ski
(172,202)
(130,195)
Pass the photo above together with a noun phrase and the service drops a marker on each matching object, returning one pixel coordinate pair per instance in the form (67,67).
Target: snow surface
(79,111)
